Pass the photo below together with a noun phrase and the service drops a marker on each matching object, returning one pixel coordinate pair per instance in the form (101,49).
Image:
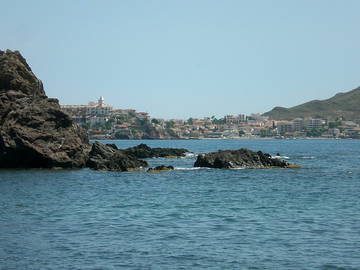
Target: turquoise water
(306,218)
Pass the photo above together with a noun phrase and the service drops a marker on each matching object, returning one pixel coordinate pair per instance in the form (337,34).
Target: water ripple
(189,218)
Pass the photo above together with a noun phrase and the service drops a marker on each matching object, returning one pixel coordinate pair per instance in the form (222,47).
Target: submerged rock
(144,151)
(242,158)
(34,131)
(107,158)
(161,168)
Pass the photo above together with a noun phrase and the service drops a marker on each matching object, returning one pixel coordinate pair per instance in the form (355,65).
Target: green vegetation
(314,132)
(169,124)
(121,136)
(215,121)
(342,105)
(190,121)
(171,133)
(108,125)
(265,133)
(334,124)
(155,121)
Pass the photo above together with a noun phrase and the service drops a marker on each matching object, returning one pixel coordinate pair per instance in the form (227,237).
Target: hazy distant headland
(341,106)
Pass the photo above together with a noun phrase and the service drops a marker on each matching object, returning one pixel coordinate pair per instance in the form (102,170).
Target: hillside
(345,105)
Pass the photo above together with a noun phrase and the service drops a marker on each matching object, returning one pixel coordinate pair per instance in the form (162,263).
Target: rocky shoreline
(242,158)
(36,133)
(144,151)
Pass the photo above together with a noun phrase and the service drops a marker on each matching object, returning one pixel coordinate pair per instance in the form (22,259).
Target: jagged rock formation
(109,158)
(144,151)
(16,75)
(242,158)
(34,132)
(161,168)
(341,105)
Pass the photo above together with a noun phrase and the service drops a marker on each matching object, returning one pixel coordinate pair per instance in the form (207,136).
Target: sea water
(190,218)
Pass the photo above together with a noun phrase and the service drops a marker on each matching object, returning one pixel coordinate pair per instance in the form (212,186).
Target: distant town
(102,121)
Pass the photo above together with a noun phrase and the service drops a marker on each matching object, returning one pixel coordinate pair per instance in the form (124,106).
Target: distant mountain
(345,105)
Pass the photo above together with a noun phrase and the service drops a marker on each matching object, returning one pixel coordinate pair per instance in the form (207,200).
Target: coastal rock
(112,145)
(242,158)
(107,158)
(144,151)
(34,131)
(161,168)
(15,74)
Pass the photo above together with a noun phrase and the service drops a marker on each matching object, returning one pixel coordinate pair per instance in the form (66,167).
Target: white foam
(280,157)
(190,169)
(190,155)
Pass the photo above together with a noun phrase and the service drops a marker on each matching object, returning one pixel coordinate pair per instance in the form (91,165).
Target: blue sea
(190,218)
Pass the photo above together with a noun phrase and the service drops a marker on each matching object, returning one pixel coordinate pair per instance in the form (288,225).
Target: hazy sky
(179,58)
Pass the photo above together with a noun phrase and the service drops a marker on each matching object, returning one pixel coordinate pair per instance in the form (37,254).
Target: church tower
(101,101)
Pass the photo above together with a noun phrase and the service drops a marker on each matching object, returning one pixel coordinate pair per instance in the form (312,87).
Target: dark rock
(161,168)
(112,145)
(104,157)
(34,131)
(15,74)
(144,151)
(242,158)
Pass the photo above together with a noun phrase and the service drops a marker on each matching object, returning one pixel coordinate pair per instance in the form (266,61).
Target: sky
(188,58)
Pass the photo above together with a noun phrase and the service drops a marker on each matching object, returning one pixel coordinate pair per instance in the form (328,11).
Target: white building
(284,127)
(90,110)
(313,123)
(298,124)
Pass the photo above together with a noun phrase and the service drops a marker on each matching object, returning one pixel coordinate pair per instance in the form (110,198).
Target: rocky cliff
(34,132)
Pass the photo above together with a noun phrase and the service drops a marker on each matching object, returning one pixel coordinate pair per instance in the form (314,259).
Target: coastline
(224,139)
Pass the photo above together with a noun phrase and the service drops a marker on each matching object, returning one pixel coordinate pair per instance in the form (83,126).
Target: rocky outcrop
(34,132)
(16,75)
(161,168)
(107,158)
(242,158)
(144,151)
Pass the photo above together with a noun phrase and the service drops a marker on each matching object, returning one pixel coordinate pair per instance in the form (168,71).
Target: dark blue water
(306,218)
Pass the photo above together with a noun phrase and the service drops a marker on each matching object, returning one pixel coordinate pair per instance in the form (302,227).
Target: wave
(190,155)
(335,267)
(190,168)
(202,168)
(280,157)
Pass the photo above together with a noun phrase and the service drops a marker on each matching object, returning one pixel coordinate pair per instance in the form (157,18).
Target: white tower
(101,101)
